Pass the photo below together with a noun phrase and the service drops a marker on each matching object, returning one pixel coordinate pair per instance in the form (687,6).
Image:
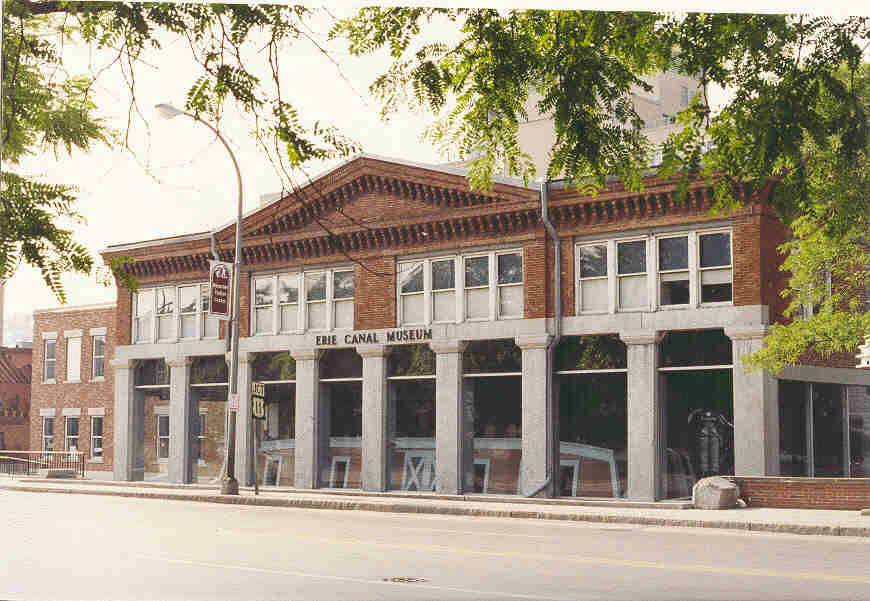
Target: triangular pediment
(368,192)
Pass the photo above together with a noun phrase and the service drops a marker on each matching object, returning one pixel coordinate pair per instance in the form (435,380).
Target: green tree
(796,115)
(44,108)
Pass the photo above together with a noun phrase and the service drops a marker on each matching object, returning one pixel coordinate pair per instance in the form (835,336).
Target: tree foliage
(46,108)
(796,114)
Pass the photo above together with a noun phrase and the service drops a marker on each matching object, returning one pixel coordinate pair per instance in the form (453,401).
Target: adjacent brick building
(72,396)
(15,372)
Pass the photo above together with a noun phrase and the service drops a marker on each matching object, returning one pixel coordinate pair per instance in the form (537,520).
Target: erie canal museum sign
(376,337)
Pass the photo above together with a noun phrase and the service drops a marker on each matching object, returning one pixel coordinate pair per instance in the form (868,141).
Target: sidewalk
(795,521)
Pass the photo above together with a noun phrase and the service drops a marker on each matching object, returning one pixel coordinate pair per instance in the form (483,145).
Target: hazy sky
(178,179)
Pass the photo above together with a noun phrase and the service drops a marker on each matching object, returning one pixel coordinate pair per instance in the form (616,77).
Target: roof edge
(73,308)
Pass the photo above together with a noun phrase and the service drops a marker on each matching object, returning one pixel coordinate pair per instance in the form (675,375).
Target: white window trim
(459,289)
(66,434)
(429,294)
(652,272)
(70,336)
(201,315)
(162,460)
(578,294)
(46,360)
(618,276)
(95,356)
(48,436)
(691,271)
(346,459)
(696,256)
(302,301)
(97,459)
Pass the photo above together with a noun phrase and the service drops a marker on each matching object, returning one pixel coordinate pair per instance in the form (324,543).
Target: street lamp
(229,484)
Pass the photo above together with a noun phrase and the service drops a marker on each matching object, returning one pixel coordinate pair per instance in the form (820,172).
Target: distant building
(15,371)
(670,94)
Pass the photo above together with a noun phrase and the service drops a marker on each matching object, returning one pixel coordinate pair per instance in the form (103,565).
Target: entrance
(341,419)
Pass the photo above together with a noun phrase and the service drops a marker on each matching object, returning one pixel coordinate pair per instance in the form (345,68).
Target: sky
(177,177)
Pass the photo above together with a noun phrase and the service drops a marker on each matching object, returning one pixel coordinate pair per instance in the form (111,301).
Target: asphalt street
(58,546)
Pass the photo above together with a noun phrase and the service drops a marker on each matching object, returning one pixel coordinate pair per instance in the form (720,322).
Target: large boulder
(715,492)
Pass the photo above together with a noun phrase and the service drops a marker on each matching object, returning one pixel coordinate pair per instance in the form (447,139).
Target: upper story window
(684,269)
(74,359)
(326,304)
(99,349)
(490,287)
(49,360)
(170,313)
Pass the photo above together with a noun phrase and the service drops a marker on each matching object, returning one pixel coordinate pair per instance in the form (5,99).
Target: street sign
(220,277)
(258,400)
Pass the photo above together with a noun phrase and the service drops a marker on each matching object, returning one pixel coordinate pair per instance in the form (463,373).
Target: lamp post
(229,484)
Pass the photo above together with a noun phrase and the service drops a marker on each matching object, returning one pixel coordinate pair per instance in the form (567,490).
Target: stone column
(756,408)
(644,415)
(449,433)
(375,414)
(245,439)
(308,437)
(180,416)
(128,425)
(533,472)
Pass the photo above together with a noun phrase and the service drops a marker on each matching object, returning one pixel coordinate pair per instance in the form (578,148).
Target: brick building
(15,398)
(72,395)
(407,347)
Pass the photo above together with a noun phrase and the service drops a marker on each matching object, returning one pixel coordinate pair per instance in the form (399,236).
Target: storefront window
(411,378)
(341,410)
(822,429)
(593,421)
(492,393)
(696,382)
(209,387)
(276,450)
(859,431)
(151,381)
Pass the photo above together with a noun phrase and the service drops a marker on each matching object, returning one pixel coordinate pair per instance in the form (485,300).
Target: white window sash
(652,274)
(302,303)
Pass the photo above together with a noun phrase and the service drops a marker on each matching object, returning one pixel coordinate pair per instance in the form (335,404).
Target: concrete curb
(459,510)
(513,500)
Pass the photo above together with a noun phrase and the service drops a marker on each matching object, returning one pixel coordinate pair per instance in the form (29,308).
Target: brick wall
(83,395)
(375,293)
(805,493)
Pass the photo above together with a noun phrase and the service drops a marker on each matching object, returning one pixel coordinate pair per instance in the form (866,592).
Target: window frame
(67,436)
(46,361)
(77,377)
(696,288)
(94,446)
(94,357)
(692,263)
(196,312)
(609,246)
(652,271)
(648,256)
(152,336)
(302,301)
(429,293)
(47,438)
(158,438)
(459,288)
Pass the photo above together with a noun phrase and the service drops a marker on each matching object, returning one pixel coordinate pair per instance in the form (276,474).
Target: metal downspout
(557,335)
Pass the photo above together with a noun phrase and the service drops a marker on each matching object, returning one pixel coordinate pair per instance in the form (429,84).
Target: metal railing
(34,463)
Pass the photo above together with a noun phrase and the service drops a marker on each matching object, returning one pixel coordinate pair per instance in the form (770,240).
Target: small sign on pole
(220,277)
(258,400)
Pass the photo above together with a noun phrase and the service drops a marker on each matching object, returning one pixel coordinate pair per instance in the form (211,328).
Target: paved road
(55,546)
